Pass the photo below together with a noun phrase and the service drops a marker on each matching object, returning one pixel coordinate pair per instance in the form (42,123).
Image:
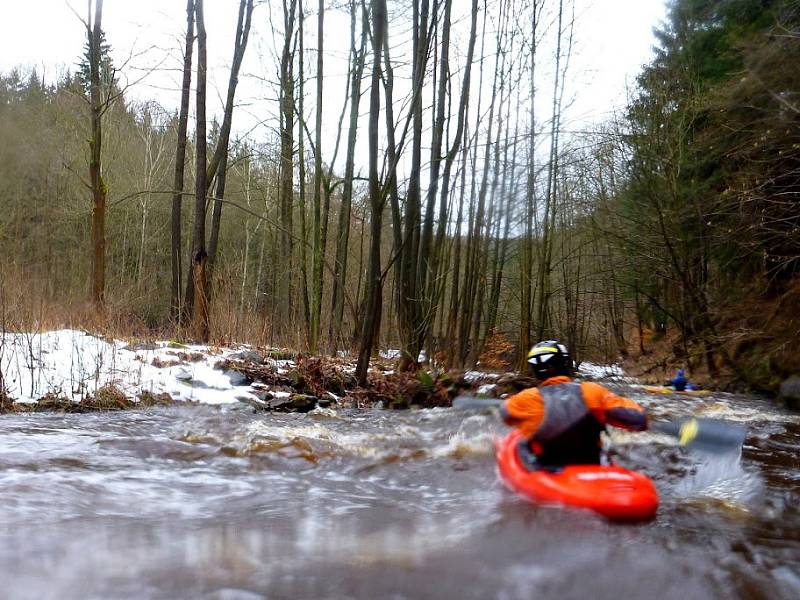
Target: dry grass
(107,398)
(130,313)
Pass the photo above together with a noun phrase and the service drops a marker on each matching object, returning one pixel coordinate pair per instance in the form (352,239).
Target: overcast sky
(613,39)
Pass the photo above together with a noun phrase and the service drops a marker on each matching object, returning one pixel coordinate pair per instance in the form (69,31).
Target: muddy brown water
(221,503)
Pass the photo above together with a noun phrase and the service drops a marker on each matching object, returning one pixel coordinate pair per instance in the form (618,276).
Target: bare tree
(506,216)
(301,167)
(371,320)
(545,265)
(316,276)
(435,288)
(357,60)
(197,300)
(286,193)
(474,278)
(150,129)
(219,161)
(94,33)
(409,308)
(180,164)
(530,205)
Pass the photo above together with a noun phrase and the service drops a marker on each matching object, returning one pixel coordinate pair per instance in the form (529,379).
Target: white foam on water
(476,435)
(718,476)
(371,445)
(721,477)
(722,409)
(460,444)
(788,578)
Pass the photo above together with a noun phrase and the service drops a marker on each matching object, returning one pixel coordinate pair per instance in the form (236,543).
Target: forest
(453,217)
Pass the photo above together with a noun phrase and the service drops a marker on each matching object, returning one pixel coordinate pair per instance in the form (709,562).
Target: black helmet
(549,359)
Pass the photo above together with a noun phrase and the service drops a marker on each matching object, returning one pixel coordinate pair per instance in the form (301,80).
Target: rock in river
(790,391)
(250,356)
(237,377)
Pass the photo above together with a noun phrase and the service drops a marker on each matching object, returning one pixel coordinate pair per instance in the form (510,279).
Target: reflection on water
(200,502)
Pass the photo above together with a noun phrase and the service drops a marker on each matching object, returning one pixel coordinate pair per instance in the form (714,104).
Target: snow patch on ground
(473,376)
(75,364)
(393,353)
(486,389)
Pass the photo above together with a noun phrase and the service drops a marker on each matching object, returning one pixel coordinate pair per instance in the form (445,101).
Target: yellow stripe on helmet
(542,350)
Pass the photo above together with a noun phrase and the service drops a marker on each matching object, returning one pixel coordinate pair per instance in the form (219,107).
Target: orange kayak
(612,491)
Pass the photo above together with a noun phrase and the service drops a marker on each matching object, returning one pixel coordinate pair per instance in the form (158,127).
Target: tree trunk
(99,191)
(342,239)
(200,319)
(458,243)
(502,242)
(434,291)
(301,160)
(426,278)
(461,307)
(530,210)
(216,214)
(371,320)
(316,272)
(495,214)
(391,183)
(475,263)
(409,309)
(286,193)
(199,302)
(219,162)
(180,165)
(545,259)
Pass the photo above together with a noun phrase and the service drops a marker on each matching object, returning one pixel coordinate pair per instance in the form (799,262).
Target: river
(221,503)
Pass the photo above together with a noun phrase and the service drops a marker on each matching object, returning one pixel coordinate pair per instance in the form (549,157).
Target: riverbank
(756,348)
(74,371)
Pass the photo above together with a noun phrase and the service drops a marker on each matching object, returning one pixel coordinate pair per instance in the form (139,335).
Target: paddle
(471,402)
(711,435)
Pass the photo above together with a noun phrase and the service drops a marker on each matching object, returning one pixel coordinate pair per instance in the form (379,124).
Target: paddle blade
(473,403)
(711,435)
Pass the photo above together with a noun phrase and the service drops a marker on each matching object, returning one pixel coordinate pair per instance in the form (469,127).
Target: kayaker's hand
(507,417)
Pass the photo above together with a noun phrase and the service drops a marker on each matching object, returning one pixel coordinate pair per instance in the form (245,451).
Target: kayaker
(679,382)
(562,420)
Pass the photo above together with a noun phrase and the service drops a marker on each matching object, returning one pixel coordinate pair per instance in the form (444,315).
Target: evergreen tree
(107,71)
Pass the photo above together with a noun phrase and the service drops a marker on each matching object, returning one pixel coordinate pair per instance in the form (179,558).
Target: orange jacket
(525,410)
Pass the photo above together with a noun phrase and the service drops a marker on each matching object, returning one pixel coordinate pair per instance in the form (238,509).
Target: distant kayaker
(562,420)
(679,382)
